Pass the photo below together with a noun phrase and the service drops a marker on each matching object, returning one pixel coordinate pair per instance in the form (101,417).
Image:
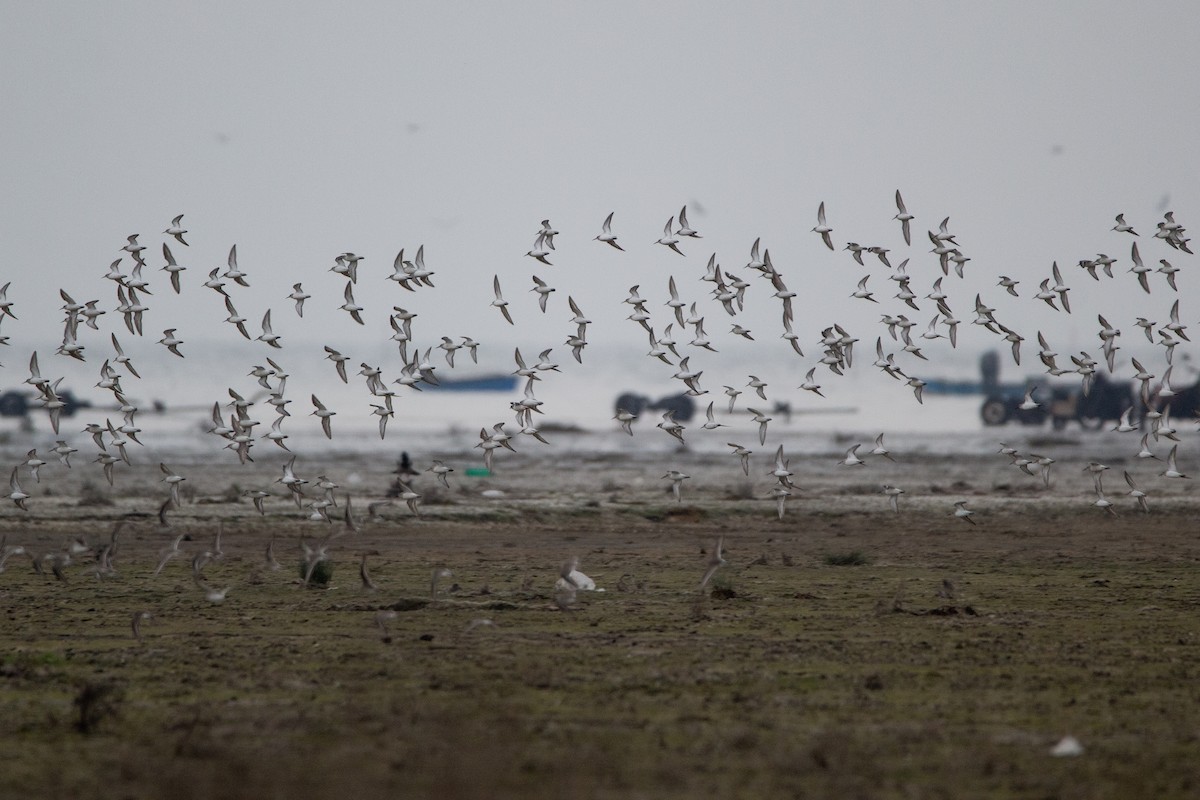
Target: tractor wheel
(994,412)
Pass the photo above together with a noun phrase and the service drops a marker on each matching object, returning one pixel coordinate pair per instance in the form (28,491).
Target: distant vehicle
(1184,404)
(1060,403)
(683,405)
(15,403)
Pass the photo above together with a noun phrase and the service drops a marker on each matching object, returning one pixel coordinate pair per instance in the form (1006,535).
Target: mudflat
(843,651)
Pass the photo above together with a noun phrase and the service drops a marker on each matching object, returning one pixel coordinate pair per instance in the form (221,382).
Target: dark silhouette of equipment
(683,405)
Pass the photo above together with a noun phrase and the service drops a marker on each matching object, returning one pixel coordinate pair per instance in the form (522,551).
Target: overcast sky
(302,130)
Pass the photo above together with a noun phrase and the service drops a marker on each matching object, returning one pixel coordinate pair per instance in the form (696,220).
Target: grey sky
(299,131)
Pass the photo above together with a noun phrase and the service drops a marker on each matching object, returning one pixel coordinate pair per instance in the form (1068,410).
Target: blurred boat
(498,382)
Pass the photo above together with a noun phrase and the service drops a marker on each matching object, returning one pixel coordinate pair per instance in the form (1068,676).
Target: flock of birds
(899,353)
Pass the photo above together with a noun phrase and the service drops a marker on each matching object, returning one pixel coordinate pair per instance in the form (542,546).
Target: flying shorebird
(668,238)
(669,425)
(781,472)
(268,336)
(893,494)
(677,479)
(540,250)
(438,574)
(172,480)
(172,268)
(823,228)
(351,307)
(339,362)
(233,273)
(684,228)
(861,293)
(781,494)
(175,229)
(762,420)
(744,454)
(607,236)
(732,393)
(543,292)
(171,342)
(299,296)
(711,424)
(141,616)
(1122,227)
(500,302)
(411,499)
(851,458)
(904,217)
(441,471)
(34,463)
(810,383)
(1172,471)
(715,561)
(962,512)
(880,450)
(324,414)
(1137,494)
(17,494)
